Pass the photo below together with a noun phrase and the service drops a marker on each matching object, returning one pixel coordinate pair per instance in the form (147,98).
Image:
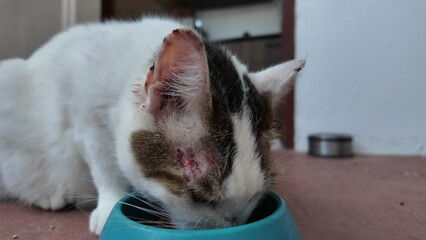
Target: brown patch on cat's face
(157,159)
(154,155)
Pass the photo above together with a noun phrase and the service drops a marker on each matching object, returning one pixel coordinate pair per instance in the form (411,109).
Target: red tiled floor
(25,222)
(367,197)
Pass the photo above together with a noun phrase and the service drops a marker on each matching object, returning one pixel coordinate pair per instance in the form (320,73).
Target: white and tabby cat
(145,104)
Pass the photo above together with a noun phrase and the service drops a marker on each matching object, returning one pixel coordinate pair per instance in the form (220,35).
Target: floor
(366,197)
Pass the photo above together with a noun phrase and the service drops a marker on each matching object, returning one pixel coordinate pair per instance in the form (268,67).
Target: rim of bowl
(281,208)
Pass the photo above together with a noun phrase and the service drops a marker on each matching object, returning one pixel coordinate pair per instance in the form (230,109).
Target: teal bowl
(270,220)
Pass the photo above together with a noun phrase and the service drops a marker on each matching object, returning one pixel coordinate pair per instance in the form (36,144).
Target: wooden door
(287,107)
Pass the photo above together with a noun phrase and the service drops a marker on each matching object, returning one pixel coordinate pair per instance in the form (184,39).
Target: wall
(365,73)
(234,22)
(26,25)
(257,53)
(87,11)
(135,9)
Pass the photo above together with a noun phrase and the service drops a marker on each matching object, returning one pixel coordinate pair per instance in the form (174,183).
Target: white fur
(247,179)
(277,78)
(61,114)
(241,68)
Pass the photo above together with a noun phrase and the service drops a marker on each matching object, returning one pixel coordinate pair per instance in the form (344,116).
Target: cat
(108,107)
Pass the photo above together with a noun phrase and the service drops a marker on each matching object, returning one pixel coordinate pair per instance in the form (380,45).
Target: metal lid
(330,137)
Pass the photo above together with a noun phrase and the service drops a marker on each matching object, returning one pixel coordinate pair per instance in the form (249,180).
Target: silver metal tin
(330,145)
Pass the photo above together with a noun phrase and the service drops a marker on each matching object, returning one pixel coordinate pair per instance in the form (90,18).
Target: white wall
(27,24)
(233,22)
(365,73)
(88,10)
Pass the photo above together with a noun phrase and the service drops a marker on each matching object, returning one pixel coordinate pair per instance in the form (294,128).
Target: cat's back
(80,71)
(57,102)
(89,65)
(110,32)
(104,47)
(109,36)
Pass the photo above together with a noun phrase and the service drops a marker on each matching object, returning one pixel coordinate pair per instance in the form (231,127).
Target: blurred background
(365,72)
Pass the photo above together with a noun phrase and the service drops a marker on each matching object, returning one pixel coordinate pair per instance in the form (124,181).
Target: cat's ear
(276,80)
(179,78)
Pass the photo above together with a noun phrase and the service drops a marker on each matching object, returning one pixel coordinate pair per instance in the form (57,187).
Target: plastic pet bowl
(271,220)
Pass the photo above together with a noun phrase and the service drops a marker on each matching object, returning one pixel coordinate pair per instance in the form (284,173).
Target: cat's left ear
(275,81)
(180,77)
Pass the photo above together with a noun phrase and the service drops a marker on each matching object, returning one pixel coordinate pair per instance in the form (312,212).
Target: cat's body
(76,120)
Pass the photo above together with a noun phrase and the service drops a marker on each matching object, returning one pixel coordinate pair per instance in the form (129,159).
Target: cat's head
(203,148)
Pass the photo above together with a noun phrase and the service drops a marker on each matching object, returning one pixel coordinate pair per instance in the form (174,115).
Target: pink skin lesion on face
(193,165)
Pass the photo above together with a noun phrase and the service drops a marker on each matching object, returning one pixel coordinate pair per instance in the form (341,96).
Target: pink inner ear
(193,165)
(179,80)
(181,49)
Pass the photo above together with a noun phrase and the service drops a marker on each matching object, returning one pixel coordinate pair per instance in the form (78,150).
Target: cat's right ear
(275,81)
(179,79)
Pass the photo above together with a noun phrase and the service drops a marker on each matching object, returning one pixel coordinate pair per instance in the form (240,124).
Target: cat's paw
(55,202)
(99,216)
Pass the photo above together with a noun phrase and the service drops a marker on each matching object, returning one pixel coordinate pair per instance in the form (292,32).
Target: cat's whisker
(197,222)
(83,195)
(84,212)
(236,201)
(148,203)
(75,205)
(144,221)
(287,179)
(153,212)
(284,155)
(150,211)
(81,202)
(78,196)
(130,226)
